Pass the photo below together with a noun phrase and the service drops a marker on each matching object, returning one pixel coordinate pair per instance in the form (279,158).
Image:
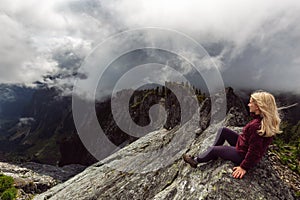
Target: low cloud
(255,44)
(25,121)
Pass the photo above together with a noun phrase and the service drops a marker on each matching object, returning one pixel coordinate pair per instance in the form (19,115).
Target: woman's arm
(255,151)
(253,155)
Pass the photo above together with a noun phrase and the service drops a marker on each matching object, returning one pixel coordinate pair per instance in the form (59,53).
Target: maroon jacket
(251,145)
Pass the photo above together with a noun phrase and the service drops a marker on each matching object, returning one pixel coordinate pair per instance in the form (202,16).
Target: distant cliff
(45,127)
(45,131)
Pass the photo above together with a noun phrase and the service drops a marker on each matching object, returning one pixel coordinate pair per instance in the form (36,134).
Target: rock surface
(33,178)
(291,178)
(152,168)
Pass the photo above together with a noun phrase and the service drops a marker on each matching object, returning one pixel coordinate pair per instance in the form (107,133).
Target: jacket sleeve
(255,151)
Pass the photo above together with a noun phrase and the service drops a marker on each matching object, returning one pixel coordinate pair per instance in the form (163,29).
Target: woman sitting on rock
(245,149)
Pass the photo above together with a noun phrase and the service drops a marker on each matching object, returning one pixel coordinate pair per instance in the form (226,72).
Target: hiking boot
(190,160)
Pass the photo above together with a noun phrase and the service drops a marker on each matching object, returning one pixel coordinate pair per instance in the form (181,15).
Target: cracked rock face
(33,178)
(152,168)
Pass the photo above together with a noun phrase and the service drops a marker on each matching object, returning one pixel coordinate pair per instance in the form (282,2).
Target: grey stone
(33,178)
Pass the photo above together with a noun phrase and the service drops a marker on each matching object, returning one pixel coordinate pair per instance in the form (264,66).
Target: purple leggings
(224,152)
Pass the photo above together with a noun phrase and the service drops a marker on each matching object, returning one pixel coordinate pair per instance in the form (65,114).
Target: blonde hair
(269,113)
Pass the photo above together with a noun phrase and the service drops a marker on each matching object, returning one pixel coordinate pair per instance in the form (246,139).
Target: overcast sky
(255,44)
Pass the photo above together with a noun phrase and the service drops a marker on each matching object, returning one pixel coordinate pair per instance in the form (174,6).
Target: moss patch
(7,190)
(288,146)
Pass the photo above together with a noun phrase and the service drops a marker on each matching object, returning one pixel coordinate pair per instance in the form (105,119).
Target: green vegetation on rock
(7,190)
(287,146)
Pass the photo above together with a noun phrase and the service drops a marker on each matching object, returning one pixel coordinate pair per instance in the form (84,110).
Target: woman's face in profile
(252,106)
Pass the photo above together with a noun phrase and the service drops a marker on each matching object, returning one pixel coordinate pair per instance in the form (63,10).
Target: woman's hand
(238,172)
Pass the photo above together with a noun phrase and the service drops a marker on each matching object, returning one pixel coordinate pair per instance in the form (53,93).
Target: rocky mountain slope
(152,168)
(12,100)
